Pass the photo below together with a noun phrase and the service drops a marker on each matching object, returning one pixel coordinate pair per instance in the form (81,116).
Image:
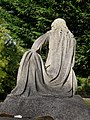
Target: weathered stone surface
(56,76)
(3,118)
(47,89)
(35,106)
(36,118)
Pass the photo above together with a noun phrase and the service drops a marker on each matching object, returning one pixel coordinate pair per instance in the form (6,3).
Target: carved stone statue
(45,89)
(56,76)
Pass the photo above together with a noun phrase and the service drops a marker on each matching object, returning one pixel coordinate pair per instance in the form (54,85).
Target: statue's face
(57,23)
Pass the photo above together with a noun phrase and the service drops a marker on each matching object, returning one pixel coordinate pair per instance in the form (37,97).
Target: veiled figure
(56,76)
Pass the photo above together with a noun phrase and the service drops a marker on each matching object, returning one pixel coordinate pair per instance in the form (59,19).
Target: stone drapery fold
(57,75)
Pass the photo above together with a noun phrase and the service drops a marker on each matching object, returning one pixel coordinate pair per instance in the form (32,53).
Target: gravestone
(47,91)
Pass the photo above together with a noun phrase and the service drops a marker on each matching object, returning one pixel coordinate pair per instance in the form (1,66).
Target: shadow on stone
(8,116)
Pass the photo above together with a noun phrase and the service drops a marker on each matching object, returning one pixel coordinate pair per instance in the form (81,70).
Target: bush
(84,86)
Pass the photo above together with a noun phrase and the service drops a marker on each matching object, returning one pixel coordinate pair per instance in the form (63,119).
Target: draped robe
(56,76)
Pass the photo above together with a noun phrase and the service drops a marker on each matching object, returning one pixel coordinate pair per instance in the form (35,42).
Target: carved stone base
(37,106)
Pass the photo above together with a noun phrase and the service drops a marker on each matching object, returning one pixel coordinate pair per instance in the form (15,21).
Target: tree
(10,55)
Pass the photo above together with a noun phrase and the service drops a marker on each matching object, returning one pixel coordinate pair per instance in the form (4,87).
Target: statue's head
(58,23)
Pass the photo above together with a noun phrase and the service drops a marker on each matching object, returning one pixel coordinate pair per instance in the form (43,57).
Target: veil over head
(59,23)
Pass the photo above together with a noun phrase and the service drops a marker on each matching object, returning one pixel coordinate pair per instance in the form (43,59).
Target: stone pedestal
(58,108)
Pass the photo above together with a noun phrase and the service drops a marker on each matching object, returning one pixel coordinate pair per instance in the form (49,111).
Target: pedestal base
(58,108)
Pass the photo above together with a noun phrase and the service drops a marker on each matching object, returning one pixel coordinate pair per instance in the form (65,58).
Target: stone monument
(47,89)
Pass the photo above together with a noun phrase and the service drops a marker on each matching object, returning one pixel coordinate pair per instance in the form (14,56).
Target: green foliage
(26,20)
(87,101)
(10,55)
(3,62)
(84,86)
(83,55)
